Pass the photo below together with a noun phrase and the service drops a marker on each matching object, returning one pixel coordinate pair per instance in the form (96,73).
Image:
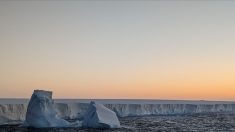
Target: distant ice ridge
(10,113)
(167,109)
(77,110)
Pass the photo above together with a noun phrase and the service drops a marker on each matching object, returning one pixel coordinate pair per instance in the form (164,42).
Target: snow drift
(98,116)
(41,112)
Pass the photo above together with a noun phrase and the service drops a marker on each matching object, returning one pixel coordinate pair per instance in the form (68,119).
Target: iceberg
(41,112)
(98,116)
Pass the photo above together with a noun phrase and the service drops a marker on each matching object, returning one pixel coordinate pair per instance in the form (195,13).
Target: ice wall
(78,110)
(123,110)
(10,113)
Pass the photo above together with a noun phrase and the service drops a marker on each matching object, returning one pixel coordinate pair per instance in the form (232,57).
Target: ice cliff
(77,110)
(123,110)
(12,113)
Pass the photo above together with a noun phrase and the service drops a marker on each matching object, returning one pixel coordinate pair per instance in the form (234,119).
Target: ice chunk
(41,112)
(98,116)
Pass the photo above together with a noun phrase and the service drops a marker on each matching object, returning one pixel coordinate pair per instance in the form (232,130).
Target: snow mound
(41,112)
(98,116)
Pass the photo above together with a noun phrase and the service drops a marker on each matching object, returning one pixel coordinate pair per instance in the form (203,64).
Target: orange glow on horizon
(118,49)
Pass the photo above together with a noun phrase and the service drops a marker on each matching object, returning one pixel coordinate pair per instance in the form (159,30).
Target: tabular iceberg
(98,116)
(41,112)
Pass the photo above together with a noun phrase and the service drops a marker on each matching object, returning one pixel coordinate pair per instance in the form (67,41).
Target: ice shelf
(75,109)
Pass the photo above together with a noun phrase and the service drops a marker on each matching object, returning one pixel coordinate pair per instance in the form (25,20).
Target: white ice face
(98,116)
(41,112)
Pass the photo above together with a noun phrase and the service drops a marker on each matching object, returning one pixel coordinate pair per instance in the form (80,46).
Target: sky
(118,49)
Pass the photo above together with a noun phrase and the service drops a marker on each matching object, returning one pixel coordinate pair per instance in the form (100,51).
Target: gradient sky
(118,49)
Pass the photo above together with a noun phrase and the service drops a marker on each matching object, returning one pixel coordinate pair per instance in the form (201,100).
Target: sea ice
(98,116)
(41,112)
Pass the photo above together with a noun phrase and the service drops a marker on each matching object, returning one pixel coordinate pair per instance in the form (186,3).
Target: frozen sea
(206,122)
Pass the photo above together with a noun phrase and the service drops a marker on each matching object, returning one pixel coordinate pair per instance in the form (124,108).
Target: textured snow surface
(75,109)
(98,116)
(41,112)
